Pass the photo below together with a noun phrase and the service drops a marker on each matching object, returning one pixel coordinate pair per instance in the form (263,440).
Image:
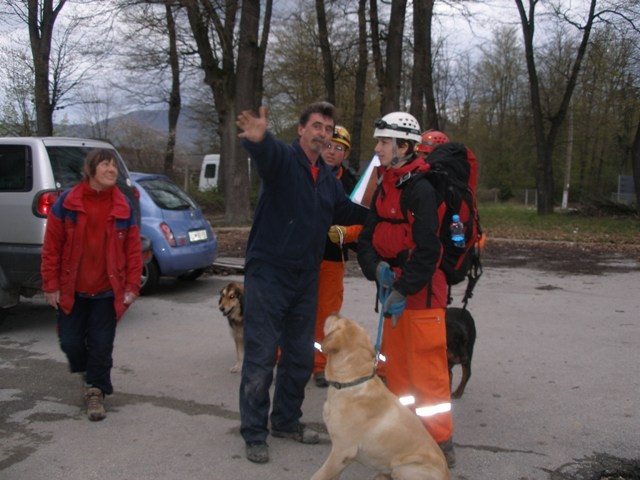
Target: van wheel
(150,278)
(192,275)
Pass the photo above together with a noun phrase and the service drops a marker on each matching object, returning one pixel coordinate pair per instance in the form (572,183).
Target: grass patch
(519,222)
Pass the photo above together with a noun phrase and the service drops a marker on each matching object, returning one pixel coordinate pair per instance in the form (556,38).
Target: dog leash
(383,293)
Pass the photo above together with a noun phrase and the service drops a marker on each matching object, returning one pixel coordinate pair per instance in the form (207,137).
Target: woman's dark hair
(411,146)
(96,156)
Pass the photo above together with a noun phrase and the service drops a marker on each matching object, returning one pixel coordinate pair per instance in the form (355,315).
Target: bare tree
(235,84)
(17,86)
(175,100)
(389,71)
(96,107)
(422,87)
(360,90)
(59,58)
(546,138)
(635,164)
(325,48)
(40,16)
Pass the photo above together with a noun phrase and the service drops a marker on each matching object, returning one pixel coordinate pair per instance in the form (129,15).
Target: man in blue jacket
(299,200)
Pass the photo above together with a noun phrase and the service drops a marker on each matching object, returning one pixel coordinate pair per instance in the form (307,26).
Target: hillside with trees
(546,94)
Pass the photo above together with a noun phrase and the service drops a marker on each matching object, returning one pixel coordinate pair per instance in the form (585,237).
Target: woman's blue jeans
(86,337)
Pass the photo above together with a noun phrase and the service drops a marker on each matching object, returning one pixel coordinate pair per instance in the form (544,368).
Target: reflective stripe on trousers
(425,410)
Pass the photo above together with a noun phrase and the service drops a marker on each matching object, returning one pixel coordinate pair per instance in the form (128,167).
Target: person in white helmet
(399,247)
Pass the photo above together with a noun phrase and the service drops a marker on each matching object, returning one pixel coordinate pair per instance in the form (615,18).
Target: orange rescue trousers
(330,295)
(416,367)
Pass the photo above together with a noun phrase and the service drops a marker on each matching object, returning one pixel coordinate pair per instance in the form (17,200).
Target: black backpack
(453,172)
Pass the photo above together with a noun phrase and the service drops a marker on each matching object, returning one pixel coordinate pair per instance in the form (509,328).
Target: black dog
(461,335)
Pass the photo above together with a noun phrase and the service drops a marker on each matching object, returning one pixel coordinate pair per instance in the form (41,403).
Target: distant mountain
(192,136)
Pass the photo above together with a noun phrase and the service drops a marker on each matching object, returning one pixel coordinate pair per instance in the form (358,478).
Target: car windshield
(167,195)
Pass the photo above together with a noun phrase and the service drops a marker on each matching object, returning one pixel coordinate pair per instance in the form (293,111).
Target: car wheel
(150,277)
(192,275)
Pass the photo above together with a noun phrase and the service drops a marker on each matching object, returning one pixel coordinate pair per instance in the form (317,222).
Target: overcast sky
(460,34)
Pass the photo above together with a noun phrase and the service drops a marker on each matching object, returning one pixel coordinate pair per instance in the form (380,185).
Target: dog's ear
(332,331)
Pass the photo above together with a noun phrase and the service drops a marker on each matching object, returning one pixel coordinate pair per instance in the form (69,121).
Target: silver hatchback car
(34,171)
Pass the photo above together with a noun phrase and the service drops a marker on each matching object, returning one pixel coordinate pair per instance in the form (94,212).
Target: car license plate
(197,235)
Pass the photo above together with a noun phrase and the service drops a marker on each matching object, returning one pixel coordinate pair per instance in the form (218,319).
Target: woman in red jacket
(91,267)
(399,246)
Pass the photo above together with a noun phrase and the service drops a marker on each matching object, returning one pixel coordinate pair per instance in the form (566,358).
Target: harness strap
(474,275)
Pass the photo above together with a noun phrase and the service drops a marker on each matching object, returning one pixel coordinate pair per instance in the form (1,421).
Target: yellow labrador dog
(366,422)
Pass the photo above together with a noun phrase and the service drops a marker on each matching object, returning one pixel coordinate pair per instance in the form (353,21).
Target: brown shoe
(94,398)
(449,452)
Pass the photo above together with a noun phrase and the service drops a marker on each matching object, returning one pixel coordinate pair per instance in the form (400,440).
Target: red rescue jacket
(62,248)
(407,239)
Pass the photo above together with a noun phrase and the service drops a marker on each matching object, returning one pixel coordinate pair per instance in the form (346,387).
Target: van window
(15,168)
(210,170)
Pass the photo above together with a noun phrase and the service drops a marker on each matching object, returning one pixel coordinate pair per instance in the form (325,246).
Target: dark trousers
(86,337)
(279,311)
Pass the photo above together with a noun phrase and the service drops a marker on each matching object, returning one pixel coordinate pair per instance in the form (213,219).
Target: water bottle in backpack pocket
(457,232)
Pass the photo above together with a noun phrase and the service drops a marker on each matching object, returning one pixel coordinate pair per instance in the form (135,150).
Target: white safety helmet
(398,125)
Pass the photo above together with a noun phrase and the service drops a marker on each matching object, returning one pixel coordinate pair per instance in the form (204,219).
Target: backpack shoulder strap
(408,183)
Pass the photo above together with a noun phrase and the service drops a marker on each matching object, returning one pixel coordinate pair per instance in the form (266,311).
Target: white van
(209,172)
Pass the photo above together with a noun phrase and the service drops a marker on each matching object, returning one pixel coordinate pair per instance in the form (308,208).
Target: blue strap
(384,290)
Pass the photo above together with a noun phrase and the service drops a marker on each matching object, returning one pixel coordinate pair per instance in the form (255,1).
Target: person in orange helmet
(336,254)
(430,140)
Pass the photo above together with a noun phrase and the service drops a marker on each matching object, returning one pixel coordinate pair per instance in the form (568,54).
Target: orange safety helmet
(430,140)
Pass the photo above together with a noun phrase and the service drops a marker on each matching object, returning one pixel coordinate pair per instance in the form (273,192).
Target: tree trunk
(361,82)
(235,87)
(174,96)
(325,48)
(390,100)
(376,51)
(545,143)
(41,23)
(432,121)
(422,79)
(567,163)
(635,165)
(237,208)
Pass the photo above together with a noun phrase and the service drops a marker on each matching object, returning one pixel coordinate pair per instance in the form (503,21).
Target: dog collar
(340,386)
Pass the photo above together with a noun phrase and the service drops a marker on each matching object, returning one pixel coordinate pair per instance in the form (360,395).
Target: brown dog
(366,422)
(230,304)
